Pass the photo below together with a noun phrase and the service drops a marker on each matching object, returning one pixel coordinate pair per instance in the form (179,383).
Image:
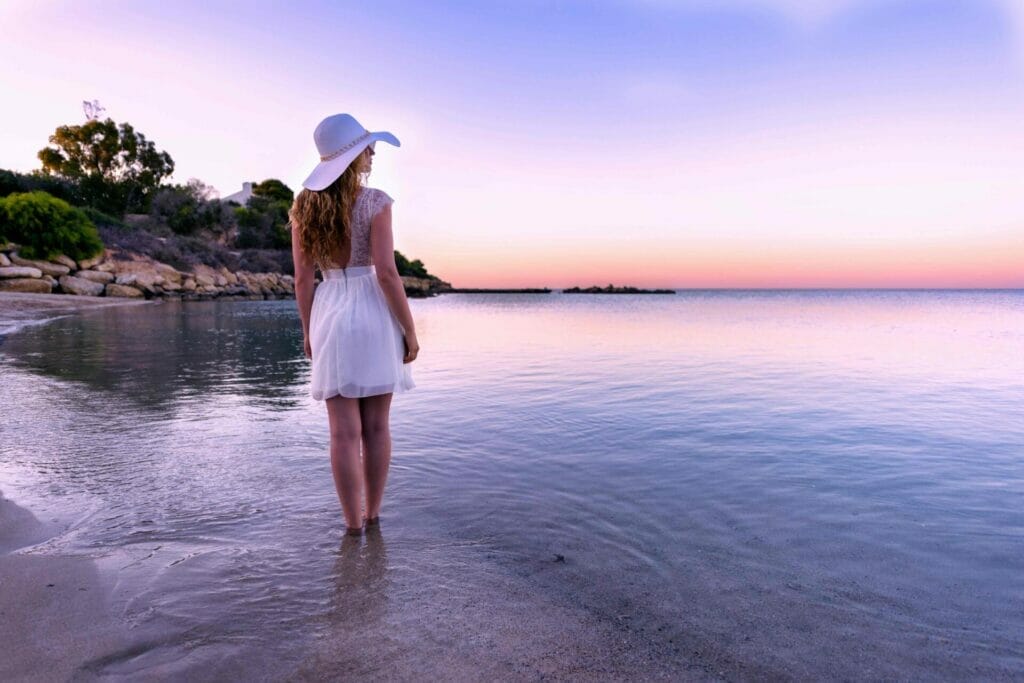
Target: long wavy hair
(324,217)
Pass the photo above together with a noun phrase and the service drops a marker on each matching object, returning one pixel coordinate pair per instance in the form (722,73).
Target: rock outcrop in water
(119,273)
(610,289)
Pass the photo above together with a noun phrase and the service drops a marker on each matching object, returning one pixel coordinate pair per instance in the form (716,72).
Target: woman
(357,327)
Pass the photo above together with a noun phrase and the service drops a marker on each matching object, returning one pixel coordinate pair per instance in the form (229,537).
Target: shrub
(45,226)
(187,209)
(99,218)
(263,224)
(266,261)
(12,181)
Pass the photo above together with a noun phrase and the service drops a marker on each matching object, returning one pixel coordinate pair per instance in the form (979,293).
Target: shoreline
(55,609)
(23,309)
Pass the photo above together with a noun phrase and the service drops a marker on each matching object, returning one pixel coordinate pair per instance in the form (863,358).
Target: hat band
(338,153)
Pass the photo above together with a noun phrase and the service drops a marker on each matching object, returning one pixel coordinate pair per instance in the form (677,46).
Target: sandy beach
(54,610)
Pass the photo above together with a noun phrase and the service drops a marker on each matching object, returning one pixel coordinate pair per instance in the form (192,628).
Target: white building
(240,197)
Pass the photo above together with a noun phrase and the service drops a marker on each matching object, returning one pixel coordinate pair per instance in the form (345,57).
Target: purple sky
(651,142)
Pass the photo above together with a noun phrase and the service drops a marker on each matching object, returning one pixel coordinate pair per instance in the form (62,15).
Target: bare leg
(376,428)
(346,432)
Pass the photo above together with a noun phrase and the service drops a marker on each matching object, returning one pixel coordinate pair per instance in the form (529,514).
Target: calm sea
(711,484)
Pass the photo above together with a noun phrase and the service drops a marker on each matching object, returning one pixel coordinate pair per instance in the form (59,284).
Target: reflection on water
(175,352)
(714,484)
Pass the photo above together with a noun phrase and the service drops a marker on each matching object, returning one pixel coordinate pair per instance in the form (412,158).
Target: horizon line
(1019,288)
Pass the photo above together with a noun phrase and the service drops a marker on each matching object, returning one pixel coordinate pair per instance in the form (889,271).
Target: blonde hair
(323,218)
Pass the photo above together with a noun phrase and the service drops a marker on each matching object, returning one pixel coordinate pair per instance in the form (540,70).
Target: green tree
(413,268)
(263,224)
(263,221)
(44,226)
(274,190)
(115,166)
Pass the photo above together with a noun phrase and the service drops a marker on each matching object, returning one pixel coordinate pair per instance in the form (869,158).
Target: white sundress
(355,339)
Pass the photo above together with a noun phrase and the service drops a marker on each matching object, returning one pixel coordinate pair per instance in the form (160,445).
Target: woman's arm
(305,271)
(382,249)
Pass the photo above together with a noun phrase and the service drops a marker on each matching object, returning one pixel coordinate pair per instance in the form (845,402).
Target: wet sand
(54,610)
(59,621)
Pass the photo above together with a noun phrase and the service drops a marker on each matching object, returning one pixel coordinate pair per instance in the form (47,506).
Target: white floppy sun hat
(340,139)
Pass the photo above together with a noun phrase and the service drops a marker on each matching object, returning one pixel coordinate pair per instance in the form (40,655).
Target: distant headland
(611,289)
(482,290)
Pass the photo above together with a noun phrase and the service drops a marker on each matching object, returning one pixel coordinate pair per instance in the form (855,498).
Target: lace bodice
(369,202)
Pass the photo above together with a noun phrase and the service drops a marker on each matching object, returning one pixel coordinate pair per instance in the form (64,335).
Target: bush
(187,209)
(263,224)
(45,226)
(266,261)
(99,218)
(12,181)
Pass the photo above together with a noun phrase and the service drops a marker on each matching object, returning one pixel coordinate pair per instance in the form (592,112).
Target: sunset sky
(668,143)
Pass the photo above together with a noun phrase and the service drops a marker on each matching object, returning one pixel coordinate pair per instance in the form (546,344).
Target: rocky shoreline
(123,274)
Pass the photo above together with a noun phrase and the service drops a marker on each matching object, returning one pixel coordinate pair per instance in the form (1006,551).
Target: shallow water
(719,484)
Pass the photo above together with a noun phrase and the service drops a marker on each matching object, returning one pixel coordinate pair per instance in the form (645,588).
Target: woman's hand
(412,348)
(306,347)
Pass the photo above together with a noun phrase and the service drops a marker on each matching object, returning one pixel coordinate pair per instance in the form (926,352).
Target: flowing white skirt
(356,342)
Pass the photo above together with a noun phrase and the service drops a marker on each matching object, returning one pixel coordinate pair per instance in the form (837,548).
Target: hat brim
(327,172)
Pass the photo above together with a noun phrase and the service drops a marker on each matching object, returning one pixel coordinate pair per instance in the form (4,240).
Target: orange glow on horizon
(766,266)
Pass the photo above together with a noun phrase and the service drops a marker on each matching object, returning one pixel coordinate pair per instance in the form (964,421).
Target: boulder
(4,261)
(114,289)
(229,276)
(189,285)
(79,285)
(416,284)
(204,280)
(203,269)
(19,271)
(25,284)
(168,272)
(144,280)
(95,276)
(171,287)
(65,261)
(54,269)
(50,281)
(90,263)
